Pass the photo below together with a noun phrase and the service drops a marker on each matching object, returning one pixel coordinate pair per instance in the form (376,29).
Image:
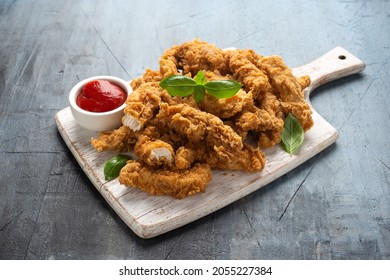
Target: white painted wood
(149,216)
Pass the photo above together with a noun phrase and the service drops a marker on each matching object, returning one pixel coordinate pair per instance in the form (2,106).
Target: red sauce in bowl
(100,96)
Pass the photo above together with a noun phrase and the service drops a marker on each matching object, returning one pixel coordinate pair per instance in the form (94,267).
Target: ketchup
(101,96)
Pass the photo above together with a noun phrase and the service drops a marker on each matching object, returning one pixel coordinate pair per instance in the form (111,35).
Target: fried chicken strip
(289,89)
(147,77)
(246,72)
(197,125)
(226,108)
(254,120)
(142,103)
(192,57)
(264,115)
(185,156)
(210,140)
(154,152)
(247,159)
(270,135)
(121,139)
(178,183)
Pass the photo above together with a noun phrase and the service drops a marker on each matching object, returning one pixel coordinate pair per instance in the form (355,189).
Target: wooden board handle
(333,65)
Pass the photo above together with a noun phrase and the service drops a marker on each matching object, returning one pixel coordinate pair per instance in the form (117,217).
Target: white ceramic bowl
(98,121)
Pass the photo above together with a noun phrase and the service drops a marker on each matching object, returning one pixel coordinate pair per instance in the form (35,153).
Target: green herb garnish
(183,86)
(114,165)
(292,134)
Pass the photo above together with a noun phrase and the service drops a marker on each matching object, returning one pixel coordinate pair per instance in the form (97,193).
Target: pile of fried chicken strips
(178,141)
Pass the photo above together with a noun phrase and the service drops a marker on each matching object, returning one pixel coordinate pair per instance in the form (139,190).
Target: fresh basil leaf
(292,134)
(199,93)
(178,85)
(183,86)
(114,165)
(200,79)
(222,88)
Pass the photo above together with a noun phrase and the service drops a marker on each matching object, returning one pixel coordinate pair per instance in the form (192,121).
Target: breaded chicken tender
(186,155)
(154,152)
(245,71)
(289,89)
(176,183)
(149,76)
(247,159)
(226,107)
(178,141)
(121,139)
(216,143)
(197,126)
(192,57)
(142,104)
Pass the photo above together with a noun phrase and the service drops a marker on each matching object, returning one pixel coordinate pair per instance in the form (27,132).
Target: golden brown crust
(191,57)
(254,80)
(176,183)
(121,139)
(185,156)
(289,89)
(197,126)
(148,76)
(226,108)
(216,143)
(154,152)
(142,104)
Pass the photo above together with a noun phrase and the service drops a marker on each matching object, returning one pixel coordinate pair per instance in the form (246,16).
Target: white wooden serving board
(149,216)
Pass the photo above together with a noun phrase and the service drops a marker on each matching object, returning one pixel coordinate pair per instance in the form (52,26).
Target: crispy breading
(226,108)
(304,81)
(121,139)
(142,104)
(148,76)
(216,143)
(289,89)
(154,152)
(185,156)
(270,135)
(176,183)
(256,120)
(247,159)
(191,57)
(245,71)
(197,125)
(265,117)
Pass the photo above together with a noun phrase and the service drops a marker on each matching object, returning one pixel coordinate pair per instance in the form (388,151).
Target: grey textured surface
(335,206)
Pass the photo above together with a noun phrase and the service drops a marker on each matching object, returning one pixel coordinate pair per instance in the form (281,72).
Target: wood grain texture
(149,216)
(336,205)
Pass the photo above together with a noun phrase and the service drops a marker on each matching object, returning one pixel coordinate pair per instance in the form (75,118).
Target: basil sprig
(178,85)
(292,134)
(114,165)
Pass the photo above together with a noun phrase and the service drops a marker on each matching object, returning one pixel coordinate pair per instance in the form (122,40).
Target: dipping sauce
(101,96)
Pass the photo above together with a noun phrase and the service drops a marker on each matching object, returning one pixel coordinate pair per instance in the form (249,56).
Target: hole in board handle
(342,57)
